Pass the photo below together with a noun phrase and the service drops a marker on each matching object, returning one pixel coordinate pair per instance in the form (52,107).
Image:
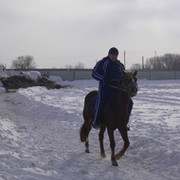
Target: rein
(122,88)
(116,87)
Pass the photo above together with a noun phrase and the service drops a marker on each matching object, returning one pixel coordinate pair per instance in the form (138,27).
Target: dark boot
(96,126)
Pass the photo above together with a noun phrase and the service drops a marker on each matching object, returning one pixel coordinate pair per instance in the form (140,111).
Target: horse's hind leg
(84,133)
(101,138)
(87,146)
(124,134)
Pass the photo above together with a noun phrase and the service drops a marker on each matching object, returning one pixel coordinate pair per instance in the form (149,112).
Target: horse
(115,115)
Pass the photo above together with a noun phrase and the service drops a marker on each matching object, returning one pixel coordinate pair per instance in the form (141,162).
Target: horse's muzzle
(133,91)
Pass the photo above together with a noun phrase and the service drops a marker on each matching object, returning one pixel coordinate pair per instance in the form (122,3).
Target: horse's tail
(89,103)
(83,132)
(85,128)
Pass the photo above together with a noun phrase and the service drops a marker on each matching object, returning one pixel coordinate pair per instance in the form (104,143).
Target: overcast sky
(65,32)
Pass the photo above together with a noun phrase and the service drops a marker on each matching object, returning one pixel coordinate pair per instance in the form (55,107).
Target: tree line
(28,62)
(169,62)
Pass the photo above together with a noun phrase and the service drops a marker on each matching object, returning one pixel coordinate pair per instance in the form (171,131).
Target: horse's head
(130,82)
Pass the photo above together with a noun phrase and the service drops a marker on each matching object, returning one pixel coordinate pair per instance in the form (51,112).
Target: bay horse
(115,115)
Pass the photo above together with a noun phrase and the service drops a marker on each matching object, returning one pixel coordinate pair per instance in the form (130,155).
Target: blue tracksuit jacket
(106,72)
(107,69)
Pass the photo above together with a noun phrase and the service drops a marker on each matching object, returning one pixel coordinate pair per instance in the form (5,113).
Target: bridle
(125,87)
(117,87)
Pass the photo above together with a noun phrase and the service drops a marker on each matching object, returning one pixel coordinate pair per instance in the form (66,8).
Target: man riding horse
(107,72)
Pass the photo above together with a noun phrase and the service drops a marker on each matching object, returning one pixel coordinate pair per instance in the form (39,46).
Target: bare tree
(68,66)
(136,66)
(166,62)
(24,62)
(79,66)
(172,61)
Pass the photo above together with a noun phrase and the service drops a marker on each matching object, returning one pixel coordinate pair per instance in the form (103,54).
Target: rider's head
(113,54)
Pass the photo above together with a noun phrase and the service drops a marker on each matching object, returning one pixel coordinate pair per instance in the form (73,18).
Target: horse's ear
(123,72)
(135,73)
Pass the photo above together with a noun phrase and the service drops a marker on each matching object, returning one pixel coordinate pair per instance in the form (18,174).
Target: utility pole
(155,54)
(143,62)
(125,59)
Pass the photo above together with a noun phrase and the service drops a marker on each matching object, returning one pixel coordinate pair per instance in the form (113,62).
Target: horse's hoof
(114,163)
(103,155)
(87,151)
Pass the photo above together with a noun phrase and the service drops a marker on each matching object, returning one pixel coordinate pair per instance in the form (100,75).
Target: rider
(107,72)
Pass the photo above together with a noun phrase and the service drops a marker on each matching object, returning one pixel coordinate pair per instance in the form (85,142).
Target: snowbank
(3,72)
(33,75)
(40,135)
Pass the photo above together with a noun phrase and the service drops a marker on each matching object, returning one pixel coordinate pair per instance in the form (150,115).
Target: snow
(39,135)
(33,75)
(3,72)
(56,79)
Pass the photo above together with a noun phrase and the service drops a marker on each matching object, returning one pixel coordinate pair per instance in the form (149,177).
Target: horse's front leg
(101,138)
(124,134)
(112,145)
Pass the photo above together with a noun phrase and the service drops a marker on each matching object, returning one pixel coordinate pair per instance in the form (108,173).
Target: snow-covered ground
(39,135)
